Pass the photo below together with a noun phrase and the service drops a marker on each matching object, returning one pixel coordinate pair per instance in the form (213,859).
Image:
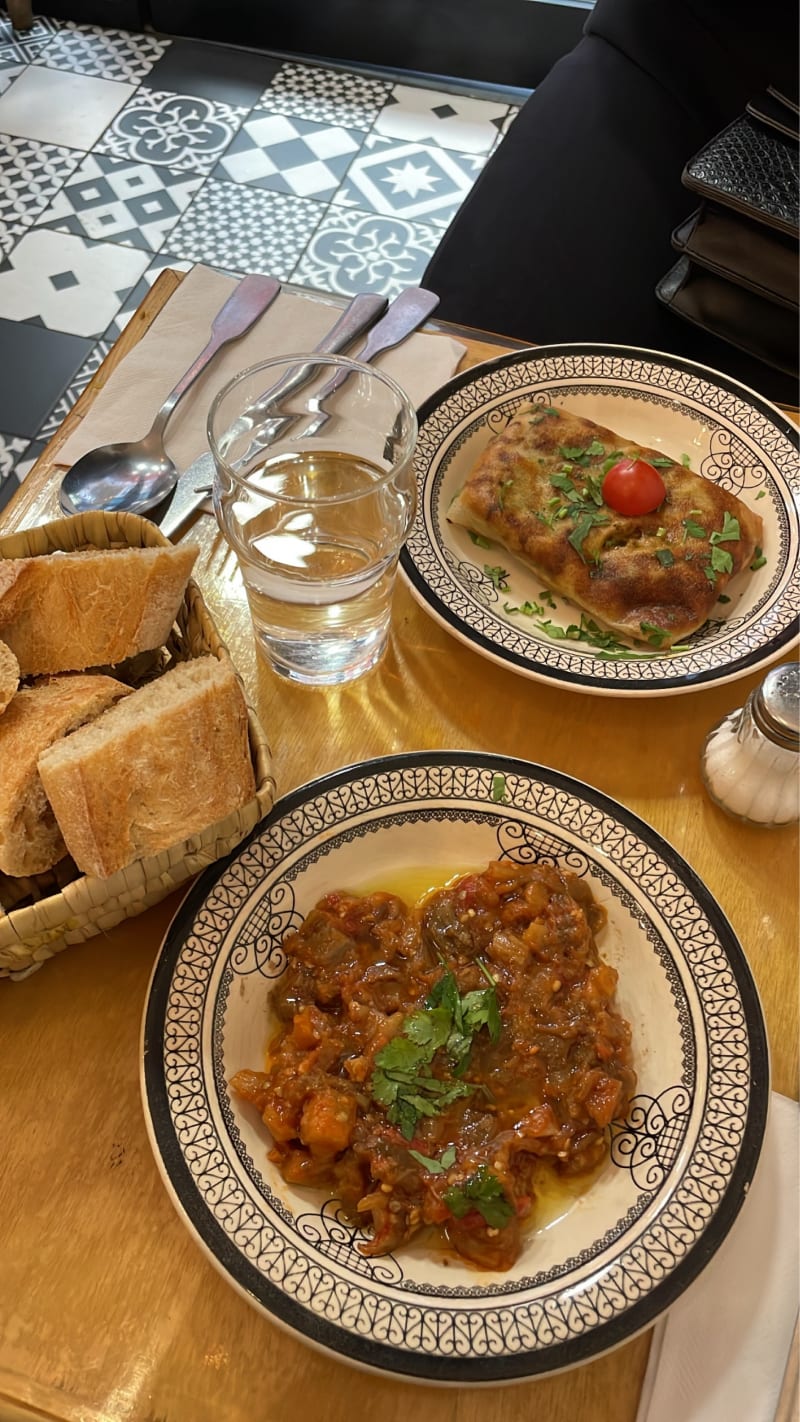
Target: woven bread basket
(63,907)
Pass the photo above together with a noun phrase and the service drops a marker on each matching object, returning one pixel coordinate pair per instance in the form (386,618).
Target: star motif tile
(360,251)
(178,131)
(121,200)
(412,180)
(136,295)
(107,54)
(323,95)
(30,174)
(451,120)
(66,283)
(243,229)
(290,155)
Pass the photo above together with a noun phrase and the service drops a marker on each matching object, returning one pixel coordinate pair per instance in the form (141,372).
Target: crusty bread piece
(164,764)
(9,675)
(69,611)
(30,840)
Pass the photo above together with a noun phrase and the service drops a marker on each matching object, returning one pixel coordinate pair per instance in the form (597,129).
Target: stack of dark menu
(737,275)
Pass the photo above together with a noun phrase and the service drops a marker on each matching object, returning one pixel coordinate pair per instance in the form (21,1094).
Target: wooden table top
(108,1309)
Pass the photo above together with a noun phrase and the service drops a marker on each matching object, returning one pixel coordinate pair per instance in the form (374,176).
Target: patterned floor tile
(290,155)
(9,71)
(325,95)
(66,283)
(37,366)
(30,174)
(451,120)
(57,107)
(411,180)
(75,388)
(106,54)
(137,293)
(360,251)
(25,45)
(183,133)
(17,458)
(212,71)
(121,200)
(245,230)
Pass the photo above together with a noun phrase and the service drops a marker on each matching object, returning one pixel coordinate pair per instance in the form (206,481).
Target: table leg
(20,13)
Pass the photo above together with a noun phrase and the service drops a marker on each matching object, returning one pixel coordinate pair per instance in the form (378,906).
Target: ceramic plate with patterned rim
(609,1260)
(730,434)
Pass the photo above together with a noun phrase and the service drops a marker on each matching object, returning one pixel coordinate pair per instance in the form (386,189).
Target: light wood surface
(109,1312)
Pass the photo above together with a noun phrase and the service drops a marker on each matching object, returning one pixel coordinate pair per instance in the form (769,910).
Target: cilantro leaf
(436,1167)
(484,1193)
(655,635)
(721,560)
(479,540)
(762,494)
(498,577)
(693,529)
(665,557)
(661,462)
(758,561)
(686,461)
(499,789)
(729,533)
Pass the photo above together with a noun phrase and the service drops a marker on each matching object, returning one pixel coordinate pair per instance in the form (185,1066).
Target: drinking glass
(314,490)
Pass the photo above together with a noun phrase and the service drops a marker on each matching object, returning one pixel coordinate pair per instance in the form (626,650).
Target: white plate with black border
(730,435)
(678,1168)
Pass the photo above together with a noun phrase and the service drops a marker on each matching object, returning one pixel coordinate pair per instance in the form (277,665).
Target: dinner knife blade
(191,490)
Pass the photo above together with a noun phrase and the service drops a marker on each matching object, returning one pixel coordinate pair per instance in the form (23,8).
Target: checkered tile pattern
(121,200)
(290,155)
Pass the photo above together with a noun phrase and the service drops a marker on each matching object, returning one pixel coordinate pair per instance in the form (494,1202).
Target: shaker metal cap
(776,706)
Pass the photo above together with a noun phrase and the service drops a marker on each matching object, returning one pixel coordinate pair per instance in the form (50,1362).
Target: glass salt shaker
(750,762)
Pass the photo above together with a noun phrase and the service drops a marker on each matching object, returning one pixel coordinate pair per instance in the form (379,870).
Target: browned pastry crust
(653,569)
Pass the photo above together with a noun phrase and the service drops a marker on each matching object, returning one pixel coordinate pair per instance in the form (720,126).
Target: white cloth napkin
(720,1353)
(124,409)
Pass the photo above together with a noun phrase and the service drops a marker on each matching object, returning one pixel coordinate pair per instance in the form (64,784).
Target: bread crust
(171,760)
(9,675)
(30,839)
(618,575)
(92,608)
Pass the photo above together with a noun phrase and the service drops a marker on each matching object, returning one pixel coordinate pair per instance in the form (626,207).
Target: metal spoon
(138,474)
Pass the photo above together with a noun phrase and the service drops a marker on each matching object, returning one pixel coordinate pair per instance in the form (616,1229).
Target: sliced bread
(161,766)
(30,840)
(9,675)
(93,608)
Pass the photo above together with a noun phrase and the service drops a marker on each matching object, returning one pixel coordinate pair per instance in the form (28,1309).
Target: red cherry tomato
(632,486)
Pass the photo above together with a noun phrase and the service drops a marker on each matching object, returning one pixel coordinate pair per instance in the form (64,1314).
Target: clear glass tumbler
(314,491)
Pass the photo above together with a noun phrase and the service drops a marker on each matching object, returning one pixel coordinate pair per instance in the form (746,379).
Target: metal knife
(408,311)
(353,321)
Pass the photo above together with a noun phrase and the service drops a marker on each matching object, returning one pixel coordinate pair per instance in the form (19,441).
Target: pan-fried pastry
(537,490)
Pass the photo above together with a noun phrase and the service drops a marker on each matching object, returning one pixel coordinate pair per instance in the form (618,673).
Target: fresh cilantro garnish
(593,488)
(499,788)
(566,484)
(660,531)
(656,636)
(594,449)
(507,607)
(550,410)
(665,557)
(686,461)
(530,609)
(721,560)
(436,1167)
(572,452)
(403,1083)
(498,576)
(610,461)
(484,1193)
(729,533)
(758,561)
(762,494)
(479,540)
(501,488)
(693,529)
(586,521)
(607,645)
(465,1015)
(661,462)
(547,598)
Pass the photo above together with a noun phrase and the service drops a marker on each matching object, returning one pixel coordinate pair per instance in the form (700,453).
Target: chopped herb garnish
(484,1193)
(693,529)
(594,449)
(611,460)
(656,636)
(436,1167)
(723,597)
(586,521)
(508,608)
(758,561)
(593,488)
(547,598)
(566,484)
(686,461)
(530,609)
(762,494)
(573,452)
(660,531)
(499,789)
(665,557)
(402,1080)
(661,462)
(550,410)
(498,576)
(721,560)
(479,540)
(729,533)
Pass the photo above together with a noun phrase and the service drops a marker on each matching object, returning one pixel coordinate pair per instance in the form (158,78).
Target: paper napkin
(720,1353)
(124,409)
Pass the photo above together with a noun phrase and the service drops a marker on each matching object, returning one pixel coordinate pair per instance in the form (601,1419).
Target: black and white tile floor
(123,153)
